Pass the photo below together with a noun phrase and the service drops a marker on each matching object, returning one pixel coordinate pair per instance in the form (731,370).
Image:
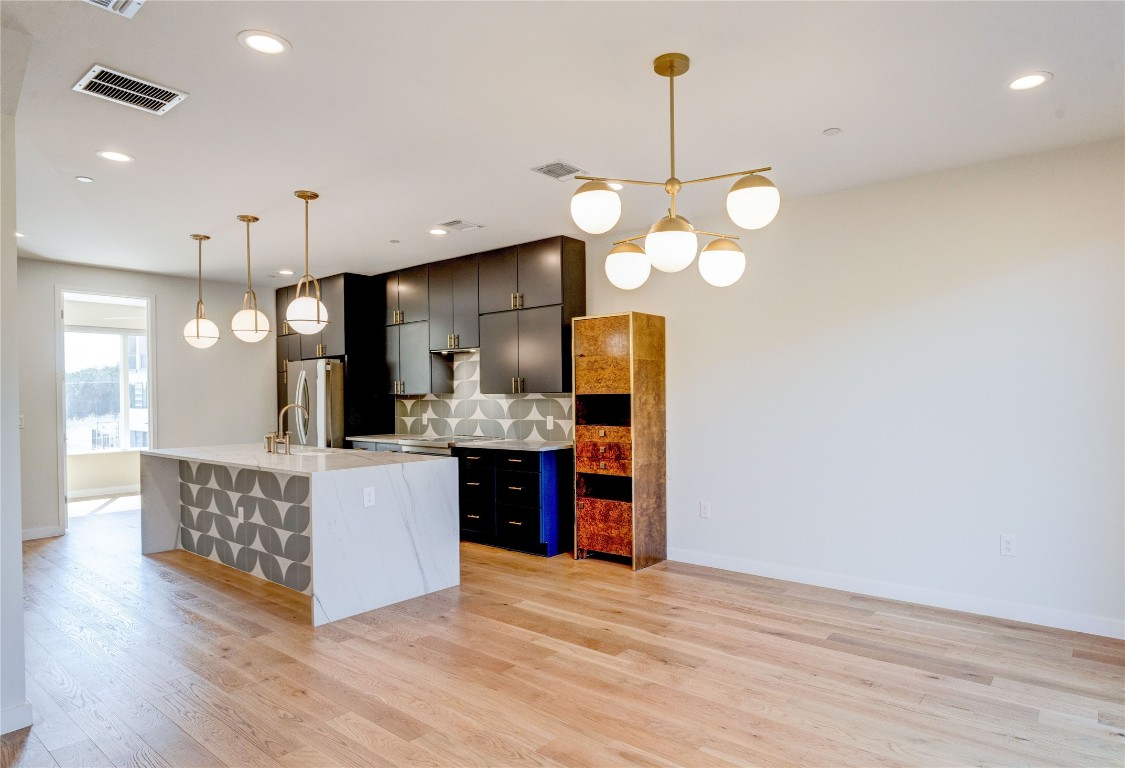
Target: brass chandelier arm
(728,175)
(716,234)
(622,181)
(629,239)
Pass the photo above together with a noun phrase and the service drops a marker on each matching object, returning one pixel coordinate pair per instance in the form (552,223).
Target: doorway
(105,397)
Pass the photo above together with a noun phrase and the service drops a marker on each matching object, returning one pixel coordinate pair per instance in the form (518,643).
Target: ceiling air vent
(459,225)
(128,90)
(561,170)
(126,8)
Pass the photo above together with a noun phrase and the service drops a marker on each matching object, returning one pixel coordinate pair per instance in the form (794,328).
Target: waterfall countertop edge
(303,460)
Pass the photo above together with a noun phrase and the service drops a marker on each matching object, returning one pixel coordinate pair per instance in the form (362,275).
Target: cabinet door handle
(602,449)
(473,517)
(514,391)
(515,487)
(601,433)
(601,465)
(456,340)
(519,301)
(472,483)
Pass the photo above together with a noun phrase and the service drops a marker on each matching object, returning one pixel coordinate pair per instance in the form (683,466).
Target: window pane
(138,391)
(93,391)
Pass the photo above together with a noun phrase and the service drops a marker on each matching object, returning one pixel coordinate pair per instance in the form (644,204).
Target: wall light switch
(369,496)
(705,510)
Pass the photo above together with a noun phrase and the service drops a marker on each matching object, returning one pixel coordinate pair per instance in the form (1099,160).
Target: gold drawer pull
(472,483)
(471,458)
(513,522)
(473,517)
(601,433)
(516,461)
(515,488)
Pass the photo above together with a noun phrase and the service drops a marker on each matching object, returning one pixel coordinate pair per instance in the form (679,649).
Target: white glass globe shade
(242,325)
(627,266)
(595,207)
(722,262)
(753,201)
(671,244)
(302,315)
(201,333)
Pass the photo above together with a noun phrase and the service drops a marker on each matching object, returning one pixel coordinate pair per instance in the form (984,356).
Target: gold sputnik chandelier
(671,243)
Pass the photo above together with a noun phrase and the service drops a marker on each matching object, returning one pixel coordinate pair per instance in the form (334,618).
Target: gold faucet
(275,440)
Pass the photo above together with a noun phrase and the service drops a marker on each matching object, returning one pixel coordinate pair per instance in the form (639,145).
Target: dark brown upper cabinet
(408,298)
(410,367)
(524,351)
(536,274)
(453,304)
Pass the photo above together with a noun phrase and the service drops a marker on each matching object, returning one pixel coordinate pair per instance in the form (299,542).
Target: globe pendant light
(200,332)
(672,242)
(306,314)
(753,201)
(248,323)
(595,207)
(722,262)
(627,266)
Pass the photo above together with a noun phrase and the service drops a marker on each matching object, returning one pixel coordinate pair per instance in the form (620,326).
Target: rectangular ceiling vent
(560,169)
(459,225)
(128,90)
(126,8)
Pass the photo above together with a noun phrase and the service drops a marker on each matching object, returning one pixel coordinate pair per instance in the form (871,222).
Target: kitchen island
(354,530)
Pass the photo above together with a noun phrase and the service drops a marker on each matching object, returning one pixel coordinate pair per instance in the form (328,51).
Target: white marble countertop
(476,442)
(303,460)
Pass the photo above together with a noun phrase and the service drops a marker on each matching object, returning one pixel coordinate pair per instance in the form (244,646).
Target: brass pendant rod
(622,181)
(729,175)
(716,234)
(248,255)
(630,239)
(672,119)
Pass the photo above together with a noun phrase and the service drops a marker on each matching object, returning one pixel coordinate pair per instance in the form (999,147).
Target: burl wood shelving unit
(619,437)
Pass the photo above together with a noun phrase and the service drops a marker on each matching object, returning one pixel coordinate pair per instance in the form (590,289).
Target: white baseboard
(101,493)
(14,718)
(42,533)
(986,606)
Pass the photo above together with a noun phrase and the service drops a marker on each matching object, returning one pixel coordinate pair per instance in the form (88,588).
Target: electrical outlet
(705,510)
(550,422)
(425,418)
(369,496)
(1007,545)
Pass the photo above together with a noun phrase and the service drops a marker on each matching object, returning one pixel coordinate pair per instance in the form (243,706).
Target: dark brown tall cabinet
(528,295)
(350,299)
(619,437)
(408,366)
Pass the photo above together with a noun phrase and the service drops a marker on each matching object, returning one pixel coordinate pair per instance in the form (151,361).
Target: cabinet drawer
(590,449)
(603,434)
(519,489)
(473,460)
(605,526)
(518,525)
(604,466)
(519,461)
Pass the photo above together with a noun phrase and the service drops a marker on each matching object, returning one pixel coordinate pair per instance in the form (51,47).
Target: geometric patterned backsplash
(252,520)
(470,412)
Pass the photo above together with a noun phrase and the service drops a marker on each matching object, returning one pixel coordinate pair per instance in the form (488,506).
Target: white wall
(224,394)
(15,711)
(906,371)
(102,473)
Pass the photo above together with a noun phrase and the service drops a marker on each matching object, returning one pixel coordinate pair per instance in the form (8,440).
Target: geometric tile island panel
(255,521)
(470,412)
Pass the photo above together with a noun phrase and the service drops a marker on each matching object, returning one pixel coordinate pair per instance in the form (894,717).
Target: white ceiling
(402,115)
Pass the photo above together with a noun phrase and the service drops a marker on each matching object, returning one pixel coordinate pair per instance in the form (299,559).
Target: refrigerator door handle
(329,421)
(302,399)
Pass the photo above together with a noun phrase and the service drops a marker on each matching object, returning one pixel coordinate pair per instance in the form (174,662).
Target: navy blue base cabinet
(521,500)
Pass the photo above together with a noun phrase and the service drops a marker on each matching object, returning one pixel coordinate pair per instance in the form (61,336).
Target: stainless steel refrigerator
(318,386)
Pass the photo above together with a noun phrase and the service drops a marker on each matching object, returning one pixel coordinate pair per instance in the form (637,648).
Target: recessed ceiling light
(285,272)
(437,232)
(20,234)
(1034,80)
(263,42)
(832,131)
(84,179)
(396,241)
(616,187)
(116,157)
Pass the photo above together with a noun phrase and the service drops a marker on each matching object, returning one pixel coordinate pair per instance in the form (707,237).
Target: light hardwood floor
(171,660)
